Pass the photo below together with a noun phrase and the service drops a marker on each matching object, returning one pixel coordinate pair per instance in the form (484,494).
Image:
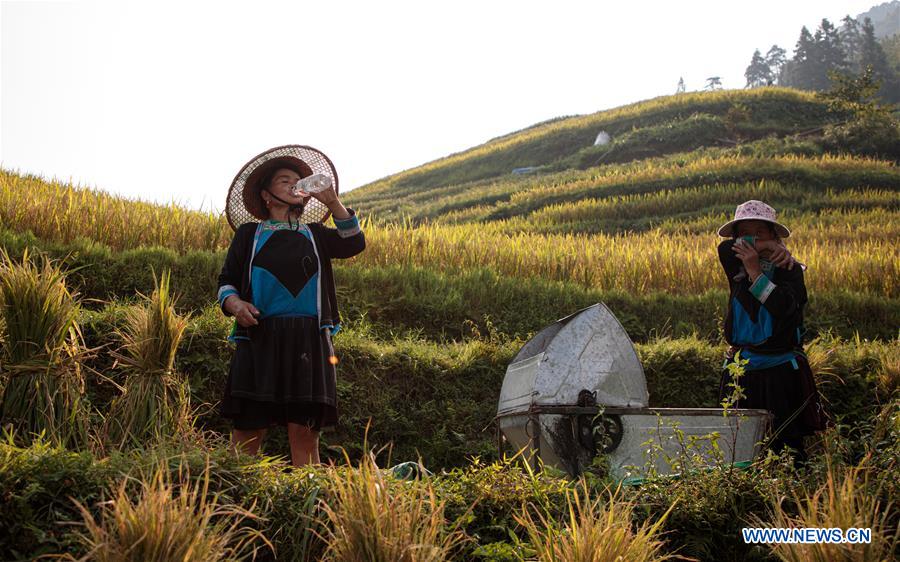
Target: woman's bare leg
(248,440)
(304,444)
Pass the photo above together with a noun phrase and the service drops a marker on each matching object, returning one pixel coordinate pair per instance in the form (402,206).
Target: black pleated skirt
(282,375)
(789,394)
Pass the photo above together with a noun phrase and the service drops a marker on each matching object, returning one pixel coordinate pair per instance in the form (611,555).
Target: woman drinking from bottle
(277,283)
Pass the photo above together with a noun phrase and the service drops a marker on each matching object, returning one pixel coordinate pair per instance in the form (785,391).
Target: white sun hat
(753,210)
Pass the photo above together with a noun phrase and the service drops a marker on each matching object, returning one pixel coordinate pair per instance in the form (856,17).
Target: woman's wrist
(338,210)
(229,302)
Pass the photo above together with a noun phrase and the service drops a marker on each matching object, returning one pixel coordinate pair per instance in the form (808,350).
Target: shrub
(872,129)
(488,496)
(707,510)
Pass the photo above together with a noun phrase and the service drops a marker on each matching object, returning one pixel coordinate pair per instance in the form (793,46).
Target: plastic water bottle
(312,184)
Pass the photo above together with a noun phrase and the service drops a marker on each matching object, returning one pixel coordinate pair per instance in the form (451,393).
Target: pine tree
(680,89)
(714,83)
(815,56)
(851,40)
(831,51)
(891,48)
(758,73)
(775,60)
(799,74)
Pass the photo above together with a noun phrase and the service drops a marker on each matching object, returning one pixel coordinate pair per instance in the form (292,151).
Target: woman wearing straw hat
(764,326)
(278,284)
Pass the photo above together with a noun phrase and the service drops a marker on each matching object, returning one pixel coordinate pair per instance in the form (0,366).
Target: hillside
(651,128)
(687,140)
(632,229)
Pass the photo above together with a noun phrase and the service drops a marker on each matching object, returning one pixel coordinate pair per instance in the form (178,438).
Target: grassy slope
(437,398)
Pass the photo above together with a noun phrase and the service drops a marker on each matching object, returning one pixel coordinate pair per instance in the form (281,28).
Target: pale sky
(166,101)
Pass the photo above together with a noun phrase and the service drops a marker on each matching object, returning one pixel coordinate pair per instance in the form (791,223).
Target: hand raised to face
(748,256)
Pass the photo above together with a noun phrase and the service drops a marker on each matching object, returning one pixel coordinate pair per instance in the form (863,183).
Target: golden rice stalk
(376,519)
(168,522)
(156,399)
(888,374)
(595,531)
(843,501)
(40,358)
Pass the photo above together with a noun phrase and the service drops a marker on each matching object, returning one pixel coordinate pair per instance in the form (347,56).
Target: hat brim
(244,203)
(727,229)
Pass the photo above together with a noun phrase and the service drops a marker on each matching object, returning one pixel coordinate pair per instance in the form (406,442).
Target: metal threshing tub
(577,389)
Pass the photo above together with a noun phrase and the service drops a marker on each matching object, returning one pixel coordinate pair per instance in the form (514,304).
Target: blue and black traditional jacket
(285,269)
(765,318)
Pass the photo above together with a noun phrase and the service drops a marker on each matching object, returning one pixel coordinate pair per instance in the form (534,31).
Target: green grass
(519,197)
(804,208)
